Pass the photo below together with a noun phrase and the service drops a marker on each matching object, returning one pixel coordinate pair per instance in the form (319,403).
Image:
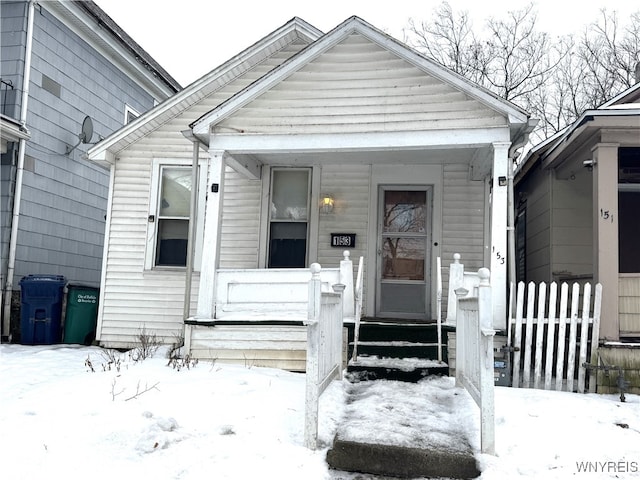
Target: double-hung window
(168,227)
(289,217)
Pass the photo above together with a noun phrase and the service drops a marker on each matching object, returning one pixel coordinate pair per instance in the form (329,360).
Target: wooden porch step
(398,339)
(408,369)
(398,349)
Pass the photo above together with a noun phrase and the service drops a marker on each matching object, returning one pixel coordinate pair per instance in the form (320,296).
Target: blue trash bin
(41,299)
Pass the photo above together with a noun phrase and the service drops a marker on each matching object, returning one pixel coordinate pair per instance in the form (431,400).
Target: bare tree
(610,54)
(554,79)
(449,40)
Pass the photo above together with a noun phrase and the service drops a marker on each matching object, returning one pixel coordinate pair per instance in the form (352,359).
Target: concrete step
(402,430)
(400,462)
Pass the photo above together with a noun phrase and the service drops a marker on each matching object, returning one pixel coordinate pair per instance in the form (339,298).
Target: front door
(404,230)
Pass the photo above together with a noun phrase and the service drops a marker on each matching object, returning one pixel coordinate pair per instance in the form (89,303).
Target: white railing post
(336,333)
(474,349)
(460,339)
(346,279)
(439,305)
(456,280)
(487,402)
(312,394)
(324,348)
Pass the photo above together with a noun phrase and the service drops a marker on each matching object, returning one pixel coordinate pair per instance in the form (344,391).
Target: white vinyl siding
(240,221)
(357,86)
(252,345)
(463,217)
(463,223)
(349,185)
(132,296)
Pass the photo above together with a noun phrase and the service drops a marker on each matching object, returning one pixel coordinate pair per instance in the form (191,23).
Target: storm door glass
(403,251)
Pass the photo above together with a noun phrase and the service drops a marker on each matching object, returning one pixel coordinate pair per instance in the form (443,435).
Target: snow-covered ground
(59,419)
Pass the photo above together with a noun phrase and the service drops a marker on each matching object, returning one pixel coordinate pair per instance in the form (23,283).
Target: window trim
(152,226)
(130,110)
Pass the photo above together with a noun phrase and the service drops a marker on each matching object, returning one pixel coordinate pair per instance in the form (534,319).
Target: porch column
(605,235)
(498,253)
(212,232)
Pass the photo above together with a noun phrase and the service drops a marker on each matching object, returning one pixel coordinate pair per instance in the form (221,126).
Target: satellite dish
(85,134)
(87,130)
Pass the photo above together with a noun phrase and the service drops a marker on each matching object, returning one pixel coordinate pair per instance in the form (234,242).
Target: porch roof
(621,112)
(517,119)
(558,149)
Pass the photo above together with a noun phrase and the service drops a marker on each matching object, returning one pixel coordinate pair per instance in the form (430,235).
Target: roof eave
(295,25)
(550,159)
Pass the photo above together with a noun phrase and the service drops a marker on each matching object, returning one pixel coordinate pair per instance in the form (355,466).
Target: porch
(262,321)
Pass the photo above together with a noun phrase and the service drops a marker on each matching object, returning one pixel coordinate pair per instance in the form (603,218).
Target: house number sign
(343,240)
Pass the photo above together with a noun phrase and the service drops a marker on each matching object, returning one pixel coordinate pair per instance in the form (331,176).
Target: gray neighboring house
(61,62)
(577,200)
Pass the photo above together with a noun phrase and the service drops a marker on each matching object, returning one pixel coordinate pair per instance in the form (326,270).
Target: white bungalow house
(307,144)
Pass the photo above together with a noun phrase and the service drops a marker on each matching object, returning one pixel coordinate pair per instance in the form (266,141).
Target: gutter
(17,196)
(193,212)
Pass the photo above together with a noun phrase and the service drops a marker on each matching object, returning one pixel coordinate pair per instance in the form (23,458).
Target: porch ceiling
(423,156)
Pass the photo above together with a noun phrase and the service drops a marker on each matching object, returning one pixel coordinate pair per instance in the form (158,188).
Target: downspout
(193,211)
(17,196)
(511,229)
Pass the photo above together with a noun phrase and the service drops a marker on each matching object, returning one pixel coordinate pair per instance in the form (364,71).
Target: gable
(358,85)
(209,91)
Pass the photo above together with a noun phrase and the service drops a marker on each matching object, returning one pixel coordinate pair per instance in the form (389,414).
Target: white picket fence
(474,349)
(552,342)
(324,348)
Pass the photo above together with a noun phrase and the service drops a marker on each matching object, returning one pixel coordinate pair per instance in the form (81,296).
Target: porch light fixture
(326,203)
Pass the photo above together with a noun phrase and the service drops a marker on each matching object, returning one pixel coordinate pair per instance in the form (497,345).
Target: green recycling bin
(81,314)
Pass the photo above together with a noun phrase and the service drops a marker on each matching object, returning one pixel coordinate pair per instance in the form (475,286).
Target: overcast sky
(191,37)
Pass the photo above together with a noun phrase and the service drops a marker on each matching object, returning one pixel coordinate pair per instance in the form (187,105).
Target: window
(289,218)
(51,86)
(130,114)
(173,216)
(168,228)
(628,208)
